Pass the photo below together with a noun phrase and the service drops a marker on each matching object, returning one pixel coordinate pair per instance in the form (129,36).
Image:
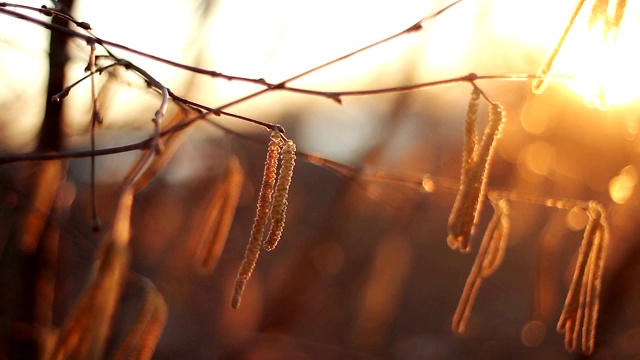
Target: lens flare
(600,54)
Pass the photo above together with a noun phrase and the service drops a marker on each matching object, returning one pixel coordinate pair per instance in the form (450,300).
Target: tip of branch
(61,95)
(83,25)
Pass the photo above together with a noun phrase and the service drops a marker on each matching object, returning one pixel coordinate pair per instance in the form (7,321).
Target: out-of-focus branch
(50,138)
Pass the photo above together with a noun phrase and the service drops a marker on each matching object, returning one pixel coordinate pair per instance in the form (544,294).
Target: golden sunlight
(621,186)
(600,53)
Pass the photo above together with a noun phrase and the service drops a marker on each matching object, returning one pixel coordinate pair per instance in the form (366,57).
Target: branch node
(335,97)
(84,25)
(414,28)
(44,10)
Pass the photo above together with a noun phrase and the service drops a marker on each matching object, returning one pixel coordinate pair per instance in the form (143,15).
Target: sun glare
(600,54)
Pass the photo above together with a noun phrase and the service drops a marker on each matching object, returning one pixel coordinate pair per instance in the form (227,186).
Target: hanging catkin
(143,335)
(488,259)
(473,181)
(86,329)
(213,230)
(498,238)
(581,305)
(262,216)
(279,208)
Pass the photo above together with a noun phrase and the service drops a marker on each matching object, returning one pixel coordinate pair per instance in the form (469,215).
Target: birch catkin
(279,208)
(262,216)
(213,230)
(144,333)
(473,181)
(85,330)
(498,238)
(487,261)
(580,309)
(84,333)
(470,135)
(592,303)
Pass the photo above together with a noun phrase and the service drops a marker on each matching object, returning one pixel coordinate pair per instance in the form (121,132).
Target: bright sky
(280,38)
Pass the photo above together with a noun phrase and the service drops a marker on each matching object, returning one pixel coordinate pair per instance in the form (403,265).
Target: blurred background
(363,270)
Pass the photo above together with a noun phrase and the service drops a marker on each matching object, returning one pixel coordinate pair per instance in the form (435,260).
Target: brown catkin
(481,265)
(596,264)
(262,216)
(468,297)
(84,333)
(49,177)
(470,135)
(121,231)
(582,302)
(279,208)
(571,305)
(589,283)
(152,332)
(472,190)
(144,333)
(86,328)
(498,239)
(213,230)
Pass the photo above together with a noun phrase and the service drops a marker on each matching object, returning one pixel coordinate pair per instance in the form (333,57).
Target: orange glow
(621,187)
(602,58)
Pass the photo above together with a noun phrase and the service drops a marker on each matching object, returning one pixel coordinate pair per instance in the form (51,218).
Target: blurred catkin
(86,328)
(143,335)
(213,230)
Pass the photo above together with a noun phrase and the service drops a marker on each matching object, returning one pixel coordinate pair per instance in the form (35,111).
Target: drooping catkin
(49,176)
(487,261)
(465,304)
(571,306)
(212,233)
(152,332)
(85,330)
(472,190)
(459,219)
(540,82)
(498,238)
(262,216)
(279,208)
(580,310)
(470,134)
(144,333)
(121,231)
(596,269)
